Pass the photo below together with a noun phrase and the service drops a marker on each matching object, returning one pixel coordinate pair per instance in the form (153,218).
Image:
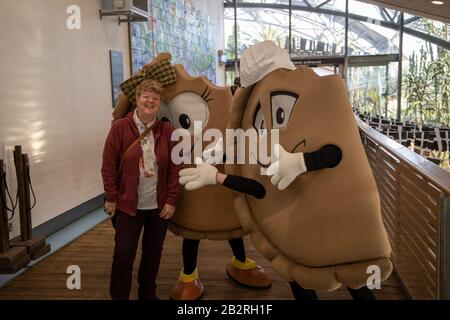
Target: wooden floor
(92,252)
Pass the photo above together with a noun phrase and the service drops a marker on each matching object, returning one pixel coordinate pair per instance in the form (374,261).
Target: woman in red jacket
(141,186)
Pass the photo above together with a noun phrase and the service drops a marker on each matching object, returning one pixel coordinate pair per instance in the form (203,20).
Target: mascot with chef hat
(313,210)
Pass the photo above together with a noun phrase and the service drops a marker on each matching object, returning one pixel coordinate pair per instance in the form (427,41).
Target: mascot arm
(288,166)
(245,185)
(205,174)
(328,156)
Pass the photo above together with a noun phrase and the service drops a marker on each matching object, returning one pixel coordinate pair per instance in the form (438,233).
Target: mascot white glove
(194,178)
(286,168)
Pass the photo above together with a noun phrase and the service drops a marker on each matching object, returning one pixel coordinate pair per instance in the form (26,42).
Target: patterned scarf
(147,163)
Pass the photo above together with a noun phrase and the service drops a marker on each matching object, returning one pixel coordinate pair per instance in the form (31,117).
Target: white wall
(214,9)
(55,94)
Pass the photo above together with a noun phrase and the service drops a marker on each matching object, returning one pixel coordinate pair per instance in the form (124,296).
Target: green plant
(370,91)
(426,85)
(264,32)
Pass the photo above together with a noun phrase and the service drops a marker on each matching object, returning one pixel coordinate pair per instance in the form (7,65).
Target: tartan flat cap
(161,71)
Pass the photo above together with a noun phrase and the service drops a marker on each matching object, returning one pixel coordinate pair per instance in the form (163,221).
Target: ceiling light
(437,2)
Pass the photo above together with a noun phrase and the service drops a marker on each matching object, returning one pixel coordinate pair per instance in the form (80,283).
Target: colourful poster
(176,27)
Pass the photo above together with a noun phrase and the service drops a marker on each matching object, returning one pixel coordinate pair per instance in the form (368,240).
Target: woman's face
(148,104)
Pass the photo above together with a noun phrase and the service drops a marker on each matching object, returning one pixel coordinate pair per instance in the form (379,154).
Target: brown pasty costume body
(207,213)
(325,228)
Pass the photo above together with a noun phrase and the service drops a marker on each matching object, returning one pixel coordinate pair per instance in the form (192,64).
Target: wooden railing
(415,205)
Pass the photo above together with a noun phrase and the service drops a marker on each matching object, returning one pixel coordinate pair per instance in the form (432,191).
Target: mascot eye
(280,115)
(184,121)
(186,108)
(282,104)
(164,113)
(259,123)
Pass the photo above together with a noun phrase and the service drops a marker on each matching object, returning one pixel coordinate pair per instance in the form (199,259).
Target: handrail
(415,207)
(429,170)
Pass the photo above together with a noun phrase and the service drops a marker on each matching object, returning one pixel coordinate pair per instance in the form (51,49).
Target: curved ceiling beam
(391,25)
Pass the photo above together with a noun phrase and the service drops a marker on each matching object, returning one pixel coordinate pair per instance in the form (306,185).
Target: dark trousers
(302,294)
(128,230)
(190,252)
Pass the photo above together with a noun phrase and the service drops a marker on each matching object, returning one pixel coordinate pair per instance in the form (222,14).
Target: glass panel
(372,11)
(366,35)
(425,82)
(434,28)
(373,89)
(229,32)
(367,38)
(256,25)
(317,34)
(229,78)
(336,5)
(264,1)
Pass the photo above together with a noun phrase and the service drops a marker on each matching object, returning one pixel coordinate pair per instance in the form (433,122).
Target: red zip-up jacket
(123,187)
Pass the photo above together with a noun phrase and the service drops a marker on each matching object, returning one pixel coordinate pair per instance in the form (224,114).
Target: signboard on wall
(116,60)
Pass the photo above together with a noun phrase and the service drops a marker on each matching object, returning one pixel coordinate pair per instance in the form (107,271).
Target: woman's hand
(110,208)
(167,212)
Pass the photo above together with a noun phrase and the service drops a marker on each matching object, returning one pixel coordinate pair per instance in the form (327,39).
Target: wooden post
(36,246)
(26,185)
(18,161)
(4,232)
(12,259)
(444,257)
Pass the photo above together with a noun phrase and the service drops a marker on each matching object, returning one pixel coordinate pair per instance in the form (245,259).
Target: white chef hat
(261,59)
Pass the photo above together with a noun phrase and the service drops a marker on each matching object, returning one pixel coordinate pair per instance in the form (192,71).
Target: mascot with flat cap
(315,213)
(207,213)
(203,214)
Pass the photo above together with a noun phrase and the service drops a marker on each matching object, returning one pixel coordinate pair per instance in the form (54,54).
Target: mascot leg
(245,271)
(362,293)
(237,245)
(302,294)
(188,286)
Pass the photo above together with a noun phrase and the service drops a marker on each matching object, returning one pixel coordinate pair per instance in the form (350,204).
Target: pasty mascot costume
(319,222)
(207,213)
(203,214)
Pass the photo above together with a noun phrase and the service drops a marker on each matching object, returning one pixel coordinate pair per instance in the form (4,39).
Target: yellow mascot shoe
(248,274)
(188,287)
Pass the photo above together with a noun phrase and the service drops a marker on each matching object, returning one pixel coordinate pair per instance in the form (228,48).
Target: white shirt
(148,170)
